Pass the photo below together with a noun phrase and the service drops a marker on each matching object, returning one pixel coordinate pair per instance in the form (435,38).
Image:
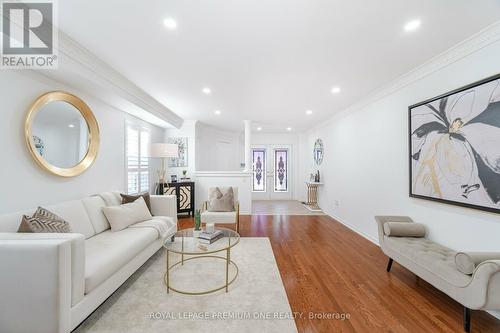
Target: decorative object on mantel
(182,159)
(184,191)
(163,151)
(312,196)
(454,147)
(62,134)
(173,178)
(184,173)
(318,151)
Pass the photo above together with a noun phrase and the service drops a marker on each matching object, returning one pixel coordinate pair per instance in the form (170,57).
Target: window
(281,170)
(259,170)
(137,161)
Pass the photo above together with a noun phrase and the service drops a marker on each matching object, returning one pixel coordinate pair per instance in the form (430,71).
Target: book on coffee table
(209,238)
(210,241)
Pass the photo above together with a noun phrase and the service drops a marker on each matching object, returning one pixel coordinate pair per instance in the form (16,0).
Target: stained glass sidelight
(259,170)
(281,170)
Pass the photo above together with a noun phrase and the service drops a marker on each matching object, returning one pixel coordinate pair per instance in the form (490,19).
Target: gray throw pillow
(467,262)
(404,229)
(43,221)
(221,202)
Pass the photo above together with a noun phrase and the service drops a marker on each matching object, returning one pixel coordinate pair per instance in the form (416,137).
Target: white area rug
(256,301)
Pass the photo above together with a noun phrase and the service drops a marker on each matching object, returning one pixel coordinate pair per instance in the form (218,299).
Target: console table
(312,196)
(184,191)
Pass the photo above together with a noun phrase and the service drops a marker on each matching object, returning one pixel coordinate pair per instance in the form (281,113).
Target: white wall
(24,184)
(365,163)
(218,150)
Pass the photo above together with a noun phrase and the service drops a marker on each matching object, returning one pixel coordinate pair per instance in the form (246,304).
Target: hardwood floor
(327,268)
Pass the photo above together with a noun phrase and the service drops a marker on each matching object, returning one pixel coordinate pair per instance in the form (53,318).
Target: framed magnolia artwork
(455,147)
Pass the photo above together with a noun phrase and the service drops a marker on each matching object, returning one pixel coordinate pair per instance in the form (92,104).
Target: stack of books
(209,238)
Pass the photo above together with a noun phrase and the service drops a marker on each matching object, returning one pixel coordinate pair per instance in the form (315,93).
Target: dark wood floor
(327,268)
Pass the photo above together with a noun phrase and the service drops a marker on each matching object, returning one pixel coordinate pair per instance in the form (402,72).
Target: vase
(197,220)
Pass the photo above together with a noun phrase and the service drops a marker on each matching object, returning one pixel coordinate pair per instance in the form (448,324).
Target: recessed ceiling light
(170,23)
(412,25)
(288,129)
(71,126)
(217,112)
(335,90)
(259,128)
(206,91)
(309,112)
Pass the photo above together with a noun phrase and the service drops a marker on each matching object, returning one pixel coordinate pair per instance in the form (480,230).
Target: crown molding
(476,42)
(82,70)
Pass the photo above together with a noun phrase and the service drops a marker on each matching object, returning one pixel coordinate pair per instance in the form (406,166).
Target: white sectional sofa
(51,282)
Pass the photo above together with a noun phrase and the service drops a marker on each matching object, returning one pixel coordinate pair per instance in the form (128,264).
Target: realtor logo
(28,35)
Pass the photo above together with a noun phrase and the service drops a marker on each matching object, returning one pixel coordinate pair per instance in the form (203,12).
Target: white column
(248,147)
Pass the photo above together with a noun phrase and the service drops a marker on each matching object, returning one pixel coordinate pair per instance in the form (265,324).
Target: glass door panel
(271,172)
(259,170)
(280,170)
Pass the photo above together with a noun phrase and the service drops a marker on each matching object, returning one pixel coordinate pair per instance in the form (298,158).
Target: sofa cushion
(467,262)
(94,205)
(131,198)
(111,198)
(120,217)
(218,217)
(430,256)
(75,213)
(109,251)
(404,229)
(219,201)
(44,221)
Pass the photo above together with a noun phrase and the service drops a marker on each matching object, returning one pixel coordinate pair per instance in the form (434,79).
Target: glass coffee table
(186,244)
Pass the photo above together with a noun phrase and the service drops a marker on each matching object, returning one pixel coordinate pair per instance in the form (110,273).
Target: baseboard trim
(353,228)
(495,314)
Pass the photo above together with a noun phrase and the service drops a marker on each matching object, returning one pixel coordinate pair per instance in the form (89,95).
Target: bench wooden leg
(389,265)
(467,312)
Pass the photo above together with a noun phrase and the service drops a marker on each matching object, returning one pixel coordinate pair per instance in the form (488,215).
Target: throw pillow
(221,202)
(404,229)
(131,198)
(120,217)
(467,262)
(43,221)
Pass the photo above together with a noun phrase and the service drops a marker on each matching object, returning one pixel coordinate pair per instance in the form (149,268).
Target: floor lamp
(163,151)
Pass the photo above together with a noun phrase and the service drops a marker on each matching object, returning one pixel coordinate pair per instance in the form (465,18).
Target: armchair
(222,217)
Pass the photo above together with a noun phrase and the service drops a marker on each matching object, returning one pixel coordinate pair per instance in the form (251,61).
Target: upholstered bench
(437,264)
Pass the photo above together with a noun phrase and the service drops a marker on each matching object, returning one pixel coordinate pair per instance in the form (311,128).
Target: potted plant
(184,173)
(197,223)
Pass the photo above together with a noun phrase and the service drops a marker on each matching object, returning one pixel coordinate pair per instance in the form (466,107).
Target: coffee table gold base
(181,262)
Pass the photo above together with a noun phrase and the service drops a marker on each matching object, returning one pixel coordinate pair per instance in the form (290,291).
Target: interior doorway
(272,172)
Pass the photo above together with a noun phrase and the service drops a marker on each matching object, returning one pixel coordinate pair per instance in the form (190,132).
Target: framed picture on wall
(182,160)
(454,144)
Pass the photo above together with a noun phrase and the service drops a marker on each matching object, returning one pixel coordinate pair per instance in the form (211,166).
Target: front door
(271,172)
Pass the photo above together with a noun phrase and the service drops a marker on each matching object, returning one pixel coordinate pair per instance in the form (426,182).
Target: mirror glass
(60,134)
(318,151)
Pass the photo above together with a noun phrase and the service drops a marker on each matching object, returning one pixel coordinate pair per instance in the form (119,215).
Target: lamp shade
(161,150)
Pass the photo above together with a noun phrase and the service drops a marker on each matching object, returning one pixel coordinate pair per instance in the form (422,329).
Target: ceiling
(268,61)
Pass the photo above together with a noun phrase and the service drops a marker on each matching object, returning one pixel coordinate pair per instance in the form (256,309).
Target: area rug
(256,301)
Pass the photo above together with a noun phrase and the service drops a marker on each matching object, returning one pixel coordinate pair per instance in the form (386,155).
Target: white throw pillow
(120,217)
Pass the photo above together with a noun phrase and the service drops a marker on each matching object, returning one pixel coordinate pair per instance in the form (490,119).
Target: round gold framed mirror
(62,134)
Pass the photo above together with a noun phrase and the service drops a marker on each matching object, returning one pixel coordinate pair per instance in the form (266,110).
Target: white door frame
(270,193)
